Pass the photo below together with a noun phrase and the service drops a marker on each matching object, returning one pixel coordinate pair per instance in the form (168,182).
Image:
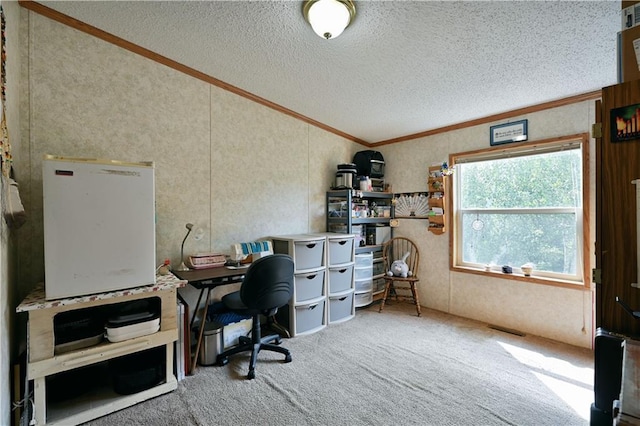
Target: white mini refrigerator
(99,226)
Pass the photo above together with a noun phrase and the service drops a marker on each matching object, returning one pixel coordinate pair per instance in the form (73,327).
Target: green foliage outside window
(525,209)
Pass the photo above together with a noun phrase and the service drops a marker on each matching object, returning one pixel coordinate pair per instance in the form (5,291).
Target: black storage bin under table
(139,371)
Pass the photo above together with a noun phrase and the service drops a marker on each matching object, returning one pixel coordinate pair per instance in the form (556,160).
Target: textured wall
(8,293)
(237,169)
(553,312)
(243,171)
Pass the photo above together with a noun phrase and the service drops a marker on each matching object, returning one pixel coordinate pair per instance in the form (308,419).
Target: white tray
(132,331)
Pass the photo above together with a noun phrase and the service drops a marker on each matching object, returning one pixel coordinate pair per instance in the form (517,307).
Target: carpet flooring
(387,368)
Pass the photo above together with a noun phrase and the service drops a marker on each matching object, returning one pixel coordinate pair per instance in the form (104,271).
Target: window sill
(520,277)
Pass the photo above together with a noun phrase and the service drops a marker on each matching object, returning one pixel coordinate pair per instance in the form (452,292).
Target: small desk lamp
(182,266)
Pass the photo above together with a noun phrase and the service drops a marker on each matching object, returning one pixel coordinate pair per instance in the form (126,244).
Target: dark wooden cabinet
(616,249)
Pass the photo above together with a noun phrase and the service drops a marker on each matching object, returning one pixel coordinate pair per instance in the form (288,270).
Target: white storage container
(341,307)
(132,331)
(340,278)
(357,231)
(309,285)
(364,260)
(306,250)
(383,234)
(340,249)
(363,299)
(363,273)
(310,317)
(364,284)
(231,332)
(309,254)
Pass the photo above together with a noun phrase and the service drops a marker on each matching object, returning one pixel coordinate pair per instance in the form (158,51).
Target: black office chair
(267,286)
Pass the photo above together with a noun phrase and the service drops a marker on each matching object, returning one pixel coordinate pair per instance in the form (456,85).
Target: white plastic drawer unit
(364,260)
(363,299)
(310,317)
(309,285)
(309,254)
(341,307)
(364,284)
(341,249)
(340,278)
(363,273)
(307,251)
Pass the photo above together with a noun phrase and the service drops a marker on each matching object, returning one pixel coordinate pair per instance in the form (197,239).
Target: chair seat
(233,302)
(401,282)
(402,279)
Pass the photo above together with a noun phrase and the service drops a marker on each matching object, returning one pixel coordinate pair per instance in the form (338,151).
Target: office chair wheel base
(222,361)
(251,374)
(287,358)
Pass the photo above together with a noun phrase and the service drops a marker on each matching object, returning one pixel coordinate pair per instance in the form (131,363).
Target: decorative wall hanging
(510,132)
(5,146)
(411,205)
(12,207)
(625,123)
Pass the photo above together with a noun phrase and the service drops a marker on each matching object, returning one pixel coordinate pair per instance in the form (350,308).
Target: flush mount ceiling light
(329,18)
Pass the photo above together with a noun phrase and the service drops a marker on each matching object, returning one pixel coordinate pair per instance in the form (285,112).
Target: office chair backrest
(268,283)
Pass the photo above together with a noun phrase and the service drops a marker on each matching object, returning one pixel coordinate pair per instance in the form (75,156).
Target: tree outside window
(521,206)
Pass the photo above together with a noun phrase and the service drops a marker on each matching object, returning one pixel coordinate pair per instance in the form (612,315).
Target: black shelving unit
(343,216)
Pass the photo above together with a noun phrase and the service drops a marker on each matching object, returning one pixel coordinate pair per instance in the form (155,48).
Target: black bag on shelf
(369,163)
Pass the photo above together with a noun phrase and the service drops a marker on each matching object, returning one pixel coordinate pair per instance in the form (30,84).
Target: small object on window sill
(527,268)
(507,269)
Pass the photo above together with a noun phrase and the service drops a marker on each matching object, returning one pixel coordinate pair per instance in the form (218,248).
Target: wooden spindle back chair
(393,250)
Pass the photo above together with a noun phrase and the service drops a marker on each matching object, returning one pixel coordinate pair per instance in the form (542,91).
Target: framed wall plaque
(625,123)
(510,132)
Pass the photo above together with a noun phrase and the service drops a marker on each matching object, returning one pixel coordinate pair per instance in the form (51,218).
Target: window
(522,204)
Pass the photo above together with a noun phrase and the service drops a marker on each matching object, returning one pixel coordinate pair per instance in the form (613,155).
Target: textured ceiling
(402,67)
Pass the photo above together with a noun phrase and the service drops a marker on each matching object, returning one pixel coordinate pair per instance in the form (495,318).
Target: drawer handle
(343,242)
(342,271)
(313,306)
(343,298)
(312,245)
(312,276)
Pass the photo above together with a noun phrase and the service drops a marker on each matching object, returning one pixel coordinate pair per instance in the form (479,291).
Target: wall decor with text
(515,131)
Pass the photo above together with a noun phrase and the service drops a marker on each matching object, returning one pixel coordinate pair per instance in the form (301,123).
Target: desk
(207,280)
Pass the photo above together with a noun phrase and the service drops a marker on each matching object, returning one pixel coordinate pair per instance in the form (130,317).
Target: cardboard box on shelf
(629,54)
(630,16)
